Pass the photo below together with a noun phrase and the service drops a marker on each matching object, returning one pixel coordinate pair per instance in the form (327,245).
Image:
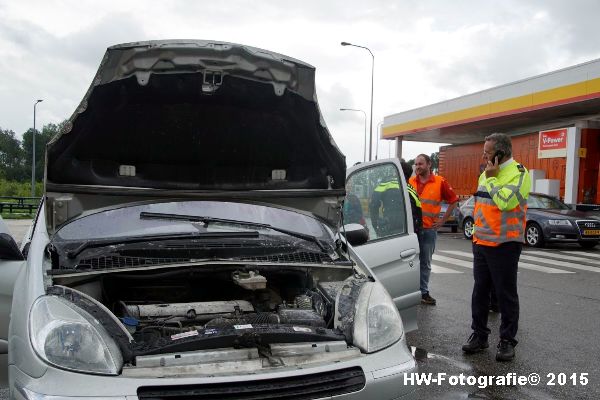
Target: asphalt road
(18,227)
(559,324)
(558,327)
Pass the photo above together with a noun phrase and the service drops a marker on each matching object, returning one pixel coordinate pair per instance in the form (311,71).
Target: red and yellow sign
(553,143)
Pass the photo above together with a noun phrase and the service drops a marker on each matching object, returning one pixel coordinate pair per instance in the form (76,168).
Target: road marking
(562,264)
(523,265)
(559,256)
(436,269)
(453,261)
(582,253)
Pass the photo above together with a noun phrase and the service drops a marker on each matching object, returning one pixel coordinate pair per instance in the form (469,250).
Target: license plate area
(591,232)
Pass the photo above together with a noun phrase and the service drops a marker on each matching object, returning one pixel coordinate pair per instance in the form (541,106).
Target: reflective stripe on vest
(431,199)
(492,226)
(413,193)
(383,186)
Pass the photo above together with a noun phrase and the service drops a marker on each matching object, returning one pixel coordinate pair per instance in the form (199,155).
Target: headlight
(377,322)
(68,337)
(559,222)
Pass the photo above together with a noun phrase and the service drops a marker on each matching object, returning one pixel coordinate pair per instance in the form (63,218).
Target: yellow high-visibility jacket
(501,205)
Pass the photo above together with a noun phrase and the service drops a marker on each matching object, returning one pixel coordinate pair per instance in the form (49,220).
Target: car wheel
(533,235)
(468,228)
(588,245)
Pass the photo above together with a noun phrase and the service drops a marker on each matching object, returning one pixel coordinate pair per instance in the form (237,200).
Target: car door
(392,251)
(11,262)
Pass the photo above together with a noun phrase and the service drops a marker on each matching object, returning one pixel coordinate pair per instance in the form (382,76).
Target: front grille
(303,387)
(106,262)
(589,226)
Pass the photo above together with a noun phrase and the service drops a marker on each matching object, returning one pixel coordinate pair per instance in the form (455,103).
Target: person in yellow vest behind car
(432,190)
(500,207)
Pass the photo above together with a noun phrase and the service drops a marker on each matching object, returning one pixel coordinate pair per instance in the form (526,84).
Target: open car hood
(189,118)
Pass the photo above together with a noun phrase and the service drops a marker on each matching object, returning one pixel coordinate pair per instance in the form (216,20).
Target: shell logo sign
(553,143)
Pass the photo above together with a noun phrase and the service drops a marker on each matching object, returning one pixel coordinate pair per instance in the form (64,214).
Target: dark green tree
(12,157)
(41,140)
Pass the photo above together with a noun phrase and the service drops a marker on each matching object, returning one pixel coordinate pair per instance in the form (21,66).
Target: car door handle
(408,253)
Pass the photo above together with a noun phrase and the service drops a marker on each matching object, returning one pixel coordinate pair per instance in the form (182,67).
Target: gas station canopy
(546,101)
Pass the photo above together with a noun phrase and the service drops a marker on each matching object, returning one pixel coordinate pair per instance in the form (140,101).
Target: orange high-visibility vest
(500,206)
(431,199)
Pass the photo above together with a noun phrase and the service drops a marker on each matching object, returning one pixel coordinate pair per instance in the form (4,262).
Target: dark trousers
(496,267)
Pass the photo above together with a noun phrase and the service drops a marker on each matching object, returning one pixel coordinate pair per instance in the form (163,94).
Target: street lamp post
(365,141)
(33,152)
(372,76)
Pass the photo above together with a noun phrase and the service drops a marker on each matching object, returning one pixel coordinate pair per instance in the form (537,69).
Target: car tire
(468,228)
(588,245)
(534,236)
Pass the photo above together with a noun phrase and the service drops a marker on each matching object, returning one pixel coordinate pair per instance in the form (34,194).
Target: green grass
(17,216)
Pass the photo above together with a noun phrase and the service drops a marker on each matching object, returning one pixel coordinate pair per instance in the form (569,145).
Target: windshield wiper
(207,220)
(151,238)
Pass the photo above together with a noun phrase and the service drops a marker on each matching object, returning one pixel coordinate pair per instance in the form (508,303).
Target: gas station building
(553,120)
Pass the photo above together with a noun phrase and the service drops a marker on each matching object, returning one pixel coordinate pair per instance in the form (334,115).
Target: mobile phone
(499,154)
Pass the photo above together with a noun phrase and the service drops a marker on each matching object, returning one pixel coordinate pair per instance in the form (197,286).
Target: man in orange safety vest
(432,190)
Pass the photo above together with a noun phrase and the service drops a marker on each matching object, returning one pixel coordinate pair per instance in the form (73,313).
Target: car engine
(156,307)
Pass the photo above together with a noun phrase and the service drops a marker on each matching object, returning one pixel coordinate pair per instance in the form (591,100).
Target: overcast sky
(425,51)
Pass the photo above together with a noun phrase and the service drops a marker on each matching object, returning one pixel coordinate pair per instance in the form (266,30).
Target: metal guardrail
(15,205)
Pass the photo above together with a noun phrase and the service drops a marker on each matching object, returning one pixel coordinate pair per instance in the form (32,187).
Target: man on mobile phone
(432,190)
(498,235)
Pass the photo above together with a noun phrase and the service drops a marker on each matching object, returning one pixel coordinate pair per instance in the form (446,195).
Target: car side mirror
(356,234)
(9,251)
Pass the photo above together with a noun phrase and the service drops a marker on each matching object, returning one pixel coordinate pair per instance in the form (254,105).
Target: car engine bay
(208,307)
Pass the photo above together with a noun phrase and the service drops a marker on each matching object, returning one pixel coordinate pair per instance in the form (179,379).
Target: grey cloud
(332,99)
(311,10)
(88,46)
(512,46)
(58,69)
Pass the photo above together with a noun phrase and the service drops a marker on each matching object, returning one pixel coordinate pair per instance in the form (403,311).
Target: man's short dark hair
(502,142)
(426,157)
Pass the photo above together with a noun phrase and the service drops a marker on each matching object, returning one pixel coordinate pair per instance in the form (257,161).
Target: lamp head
(346,44)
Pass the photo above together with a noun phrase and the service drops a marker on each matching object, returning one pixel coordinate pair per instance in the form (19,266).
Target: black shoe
(506,351)
(427,299)
(475,344)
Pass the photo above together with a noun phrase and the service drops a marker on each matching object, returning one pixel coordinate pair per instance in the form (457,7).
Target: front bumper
(384,373)
(565,234)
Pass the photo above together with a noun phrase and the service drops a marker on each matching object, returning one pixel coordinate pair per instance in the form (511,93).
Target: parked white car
(190,243)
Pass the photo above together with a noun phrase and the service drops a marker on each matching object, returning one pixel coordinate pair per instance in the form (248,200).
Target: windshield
(547,203)
(126,221)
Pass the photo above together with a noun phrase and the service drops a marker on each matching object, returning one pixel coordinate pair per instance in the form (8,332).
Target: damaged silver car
(191,243)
